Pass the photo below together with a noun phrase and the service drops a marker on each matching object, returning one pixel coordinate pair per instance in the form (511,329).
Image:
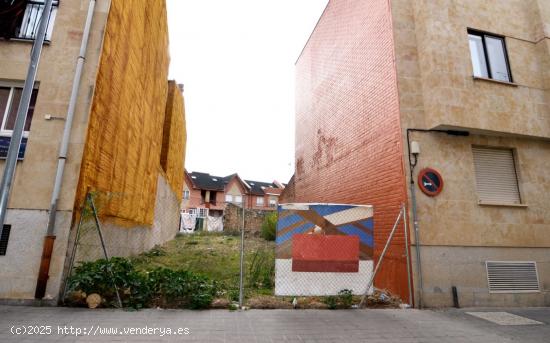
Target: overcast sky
(236,60)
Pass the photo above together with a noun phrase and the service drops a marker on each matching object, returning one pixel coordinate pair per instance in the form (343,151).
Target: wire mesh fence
(122,236)
(101,234)
(302,255)
(324,249)
(191,241)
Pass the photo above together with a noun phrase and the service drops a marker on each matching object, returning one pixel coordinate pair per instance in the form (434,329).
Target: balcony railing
(20,19)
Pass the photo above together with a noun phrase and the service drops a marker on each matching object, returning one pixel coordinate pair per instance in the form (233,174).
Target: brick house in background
(127,138)
(202,190)
(469,83)
(205,191)
(235,189)
(263,195)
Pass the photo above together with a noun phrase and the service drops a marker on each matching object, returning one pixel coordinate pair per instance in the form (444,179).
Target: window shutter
(496,176)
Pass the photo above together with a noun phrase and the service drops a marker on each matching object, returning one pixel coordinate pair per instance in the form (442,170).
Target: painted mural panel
(322,249)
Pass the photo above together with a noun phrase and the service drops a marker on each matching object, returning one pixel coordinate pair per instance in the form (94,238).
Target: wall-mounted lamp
(415,148)
(415,151)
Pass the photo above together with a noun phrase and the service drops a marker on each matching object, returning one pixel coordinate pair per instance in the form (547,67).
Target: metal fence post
(241,285)
(371,281)
(98,225)
(73,250)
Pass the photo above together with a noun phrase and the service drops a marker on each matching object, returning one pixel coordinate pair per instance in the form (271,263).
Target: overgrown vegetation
(269,227)
(344,299)
(138,289)
(199,271)
(181,288)
(261,273)
(217,256)
(331,302)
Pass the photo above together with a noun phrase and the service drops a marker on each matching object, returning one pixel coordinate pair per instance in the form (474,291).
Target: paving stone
(403,326)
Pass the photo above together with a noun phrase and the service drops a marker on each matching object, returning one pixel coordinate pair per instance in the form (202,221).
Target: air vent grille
(512,276)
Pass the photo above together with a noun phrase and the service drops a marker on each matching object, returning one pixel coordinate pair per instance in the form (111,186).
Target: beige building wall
(35,174)
(233,189)
(451,96)
(29,203)
(33,184)
(437,91)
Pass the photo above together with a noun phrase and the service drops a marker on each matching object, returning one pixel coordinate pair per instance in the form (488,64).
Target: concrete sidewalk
(63,324)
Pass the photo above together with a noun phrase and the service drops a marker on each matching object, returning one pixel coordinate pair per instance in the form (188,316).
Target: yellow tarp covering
(173,145)
(124,140)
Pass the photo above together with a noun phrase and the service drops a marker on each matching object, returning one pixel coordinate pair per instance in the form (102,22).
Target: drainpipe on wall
(417,244)
(50,235)
(412,165)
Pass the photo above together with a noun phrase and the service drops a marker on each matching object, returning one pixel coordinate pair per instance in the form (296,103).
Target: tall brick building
(468,82)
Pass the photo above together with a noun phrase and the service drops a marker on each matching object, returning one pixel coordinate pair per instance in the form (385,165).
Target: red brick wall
(348,136)
(288,194)
(195,199)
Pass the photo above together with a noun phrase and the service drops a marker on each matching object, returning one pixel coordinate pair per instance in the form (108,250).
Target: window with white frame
(496,176)
(259,201)
(200,212)
(10,96)
(31,20)
(489,56)
(228,198)
(272,202)
(20,19)
(238,199)
(186,194)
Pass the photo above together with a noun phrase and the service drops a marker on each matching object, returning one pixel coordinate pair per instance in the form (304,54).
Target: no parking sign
(430,182)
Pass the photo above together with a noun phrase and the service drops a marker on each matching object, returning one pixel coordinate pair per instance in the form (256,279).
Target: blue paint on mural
(364,237)
(325,210)
(300,229)
(287,221)
(369,223)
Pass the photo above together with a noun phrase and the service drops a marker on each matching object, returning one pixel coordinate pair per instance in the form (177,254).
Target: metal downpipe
(417,245)
(50,235)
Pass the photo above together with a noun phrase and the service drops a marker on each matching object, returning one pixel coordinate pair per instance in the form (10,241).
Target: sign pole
(406,236)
